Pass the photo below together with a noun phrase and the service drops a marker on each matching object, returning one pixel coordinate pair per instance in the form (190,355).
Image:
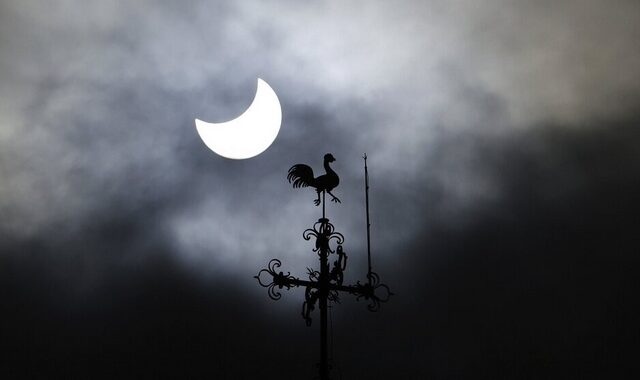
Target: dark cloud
(537,284)
(504,169)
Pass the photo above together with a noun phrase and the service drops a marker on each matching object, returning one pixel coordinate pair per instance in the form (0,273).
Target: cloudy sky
(504,167)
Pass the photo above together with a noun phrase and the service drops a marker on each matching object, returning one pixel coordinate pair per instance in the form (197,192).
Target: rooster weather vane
(323,286)
(302,176)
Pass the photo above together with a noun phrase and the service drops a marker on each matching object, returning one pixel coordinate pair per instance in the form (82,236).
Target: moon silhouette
(249,134)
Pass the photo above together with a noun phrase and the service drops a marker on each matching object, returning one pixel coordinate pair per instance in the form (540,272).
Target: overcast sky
(504,168)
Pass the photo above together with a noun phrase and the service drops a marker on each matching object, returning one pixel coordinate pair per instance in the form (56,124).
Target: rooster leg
(317,201)
(334,198)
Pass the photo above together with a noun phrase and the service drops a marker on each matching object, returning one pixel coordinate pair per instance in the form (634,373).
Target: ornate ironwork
(325,284)
(324,232)
(368,292)
(334,283)
(311,295)
(279,280)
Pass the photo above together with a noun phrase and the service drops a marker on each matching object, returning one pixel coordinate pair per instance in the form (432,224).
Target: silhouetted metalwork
(366,200)
(302,176)
(323,286)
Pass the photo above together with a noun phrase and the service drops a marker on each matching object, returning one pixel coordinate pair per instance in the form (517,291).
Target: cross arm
(372,291)
(279,280)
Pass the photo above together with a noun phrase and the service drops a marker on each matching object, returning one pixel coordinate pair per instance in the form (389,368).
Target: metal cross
(323,286)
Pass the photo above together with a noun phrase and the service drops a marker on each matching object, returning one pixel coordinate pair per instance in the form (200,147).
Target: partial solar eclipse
(249,134)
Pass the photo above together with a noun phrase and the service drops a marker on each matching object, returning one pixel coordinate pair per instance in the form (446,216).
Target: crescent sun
(249,134)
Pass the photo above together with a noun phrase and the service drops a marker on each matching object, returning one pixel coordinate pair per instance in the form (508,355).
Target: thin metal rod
(324,357)
(366,197)
(323,197)
(324,293)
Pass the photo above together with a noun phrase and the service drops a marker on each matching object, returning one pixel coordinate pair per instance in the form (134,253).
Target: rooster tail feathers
(300,175)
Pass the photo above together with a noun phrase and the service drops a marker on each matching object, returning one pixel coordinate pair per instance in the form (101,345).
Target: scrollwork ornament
(278,279)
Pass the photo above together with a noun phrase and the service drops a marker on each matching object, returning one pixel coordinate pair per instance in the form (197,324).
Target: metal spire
(366,197)
(324,285)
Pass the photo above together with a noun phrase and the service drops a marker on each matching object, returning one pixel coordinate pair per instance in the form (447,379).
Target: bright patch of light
(249,134)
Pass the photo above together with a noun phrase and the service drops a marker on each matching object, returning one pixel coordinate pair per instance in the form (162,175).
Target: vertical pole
(323,196)
(324,290)
(324,362)
(366,197)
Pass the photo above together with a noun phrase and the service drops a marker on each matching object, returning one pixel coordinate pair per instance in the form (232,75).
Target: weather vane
(324,285)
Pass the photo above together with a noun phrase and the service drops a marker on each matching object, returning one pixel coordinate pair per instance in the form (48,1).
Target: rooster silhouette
(302,176)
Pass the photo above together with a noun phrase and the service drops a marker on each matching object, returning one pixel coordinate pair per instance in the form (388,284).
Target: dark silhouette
(324,285)
(302,176)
